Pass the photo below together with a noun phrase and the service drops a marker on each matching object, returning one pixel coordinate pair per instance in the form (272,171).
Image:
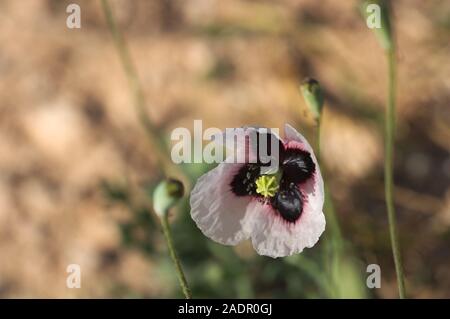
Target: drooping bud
(377,16)
(166,195)
(313,95)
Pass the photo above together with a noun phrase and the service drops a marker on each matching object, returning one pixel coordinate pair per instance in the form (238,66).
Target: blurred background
(76,166)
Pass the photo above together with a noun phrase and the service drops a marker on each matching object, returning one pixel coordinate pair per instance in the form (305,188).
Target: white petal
(274,237)
(232,136)
(238,144)
(215,209)
(291,134)
(222,137)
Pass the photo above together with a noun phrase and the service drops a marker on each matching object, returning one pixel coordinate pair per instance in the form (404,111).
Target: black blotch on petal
(244,182)
(297,165)
(288,202)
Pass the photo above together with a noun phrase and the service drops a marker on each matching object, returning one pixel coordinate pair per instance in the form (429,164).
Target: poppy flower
(281,212)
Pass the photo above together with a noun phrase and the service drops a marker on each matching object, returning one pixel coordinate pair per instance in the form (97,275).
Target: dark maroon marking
(244,182)
(297,165)
(288,202)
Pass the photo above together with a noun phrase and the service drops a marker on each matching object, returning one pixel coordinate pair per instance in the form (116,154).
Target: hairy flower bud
(312,93)
(166,195)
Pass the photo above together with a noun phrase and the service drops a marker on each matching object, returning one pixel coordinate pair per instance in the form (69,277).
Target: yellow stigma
(267,185)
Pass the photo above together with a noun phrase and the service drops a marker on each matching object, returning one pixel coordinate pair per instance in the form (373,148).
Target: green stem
(152,131)
(174,256)
(319,139)
(333,248)
(388,170)
(135,87)
(328,205)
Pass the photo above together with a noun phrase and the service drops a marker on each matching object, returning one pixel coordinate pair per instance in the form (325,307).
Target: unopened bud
(312,93)
(166,195)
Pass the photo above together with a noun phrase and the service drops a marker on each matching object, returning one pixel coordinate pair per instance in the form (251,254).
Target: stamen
(267,185)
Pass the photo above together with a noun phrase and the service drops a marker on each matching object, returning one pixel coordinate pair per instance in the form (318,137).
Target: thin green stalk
(174,256)
(328,205)
(333,250)
(133,81)
(152,132)
(388,170)
(318,139)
